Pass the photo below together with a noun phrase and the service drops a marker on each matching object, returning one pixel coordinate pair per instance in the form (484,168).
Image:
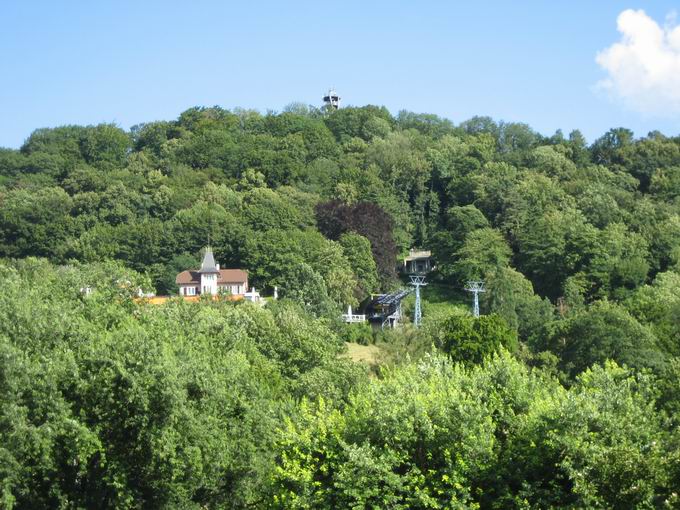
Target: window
(189,291)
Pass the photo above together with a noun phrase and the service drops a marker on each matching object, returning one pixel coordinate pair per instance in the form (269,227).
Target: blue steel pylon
(417,281)
(475,287)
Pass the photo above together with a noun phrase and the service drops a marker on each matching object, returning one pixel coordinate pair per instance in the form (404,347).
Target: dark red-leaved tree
(334,218)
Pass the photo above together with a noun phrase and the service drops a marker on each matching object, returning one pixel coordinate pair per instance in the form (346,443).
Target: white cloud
(643,68)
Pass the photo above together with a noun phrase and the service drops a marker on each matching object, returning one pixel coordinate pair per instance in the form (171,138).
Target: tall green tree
(470,340)
(603,331)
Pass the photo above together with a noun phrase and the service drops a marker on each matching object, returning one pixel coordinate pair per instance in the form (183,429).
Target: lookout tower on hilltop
(331,100)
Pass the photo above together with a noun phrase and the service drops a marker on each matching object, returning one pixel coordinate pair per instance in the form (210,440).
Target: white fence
(353,317)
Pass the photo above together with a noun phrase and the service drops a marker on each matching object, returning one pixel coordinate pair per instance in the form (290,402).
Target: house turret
(209,273)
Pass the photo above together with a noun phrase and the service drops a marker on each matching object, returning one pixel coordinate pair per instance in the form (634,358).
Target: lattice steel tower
(417,281)
(476,287)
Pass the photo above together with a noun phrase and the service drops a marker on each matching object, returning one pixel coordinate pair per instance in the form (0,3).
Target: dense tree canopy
(564,394)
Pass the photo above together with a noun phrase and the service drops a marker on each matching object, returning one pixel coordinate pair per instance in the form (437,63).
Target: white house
(210,279)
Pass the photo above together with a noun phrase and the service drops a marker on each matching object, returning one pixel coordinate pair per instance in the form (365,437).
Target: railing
(351,318)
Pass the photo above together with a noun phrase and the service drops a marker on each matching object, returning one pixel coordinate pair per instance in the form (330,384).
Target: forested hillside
(565,393)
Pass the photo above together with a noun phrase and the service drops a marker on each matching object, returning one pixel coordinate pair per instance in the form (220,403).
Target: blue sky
(77,62)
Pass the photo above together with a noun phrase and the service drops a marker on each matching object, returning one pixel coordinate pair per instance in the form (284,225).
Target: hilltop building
(331,100)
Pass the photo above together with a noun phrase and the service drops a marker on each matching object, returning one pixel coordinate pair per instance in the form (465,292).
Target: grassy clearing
(369,354)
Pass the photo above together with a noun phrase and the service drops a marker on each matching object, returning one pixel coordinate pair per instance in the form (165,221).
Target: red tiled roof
(232,276)
(226,276)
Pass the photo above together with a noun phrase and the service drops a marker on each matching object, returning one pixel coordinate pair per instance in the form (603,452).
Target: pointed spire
(208,265)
